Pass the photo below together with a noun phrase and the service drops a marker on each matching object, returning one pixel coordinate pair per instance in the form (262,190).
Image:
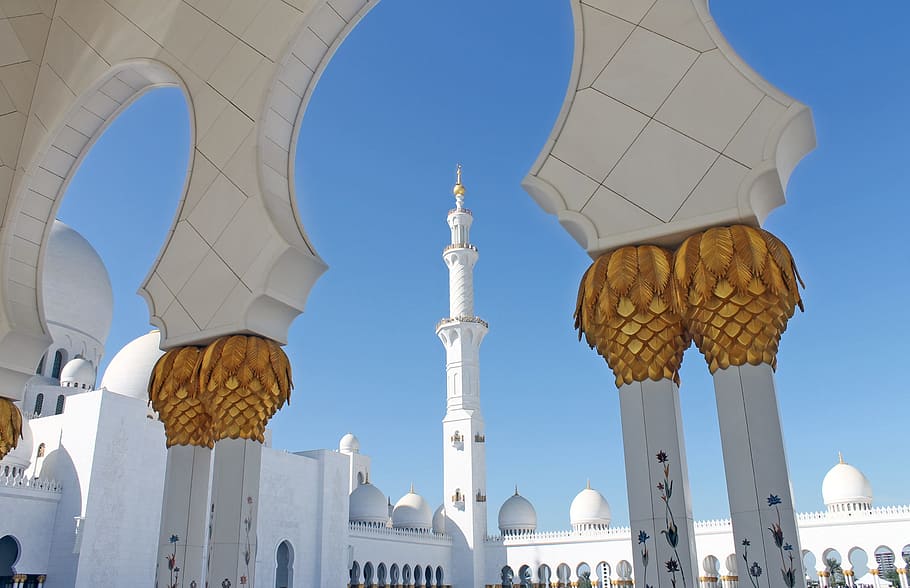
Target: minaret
(464,462)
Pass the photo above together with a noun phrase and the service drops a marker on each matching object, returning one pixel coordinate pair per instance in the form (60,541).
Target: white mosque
(82,493)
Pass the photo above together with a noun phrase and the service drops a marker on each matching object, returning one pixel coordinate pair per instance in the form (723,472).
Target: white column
(758,481)
(184,517)
(902,574)
(660,509)
(235,503)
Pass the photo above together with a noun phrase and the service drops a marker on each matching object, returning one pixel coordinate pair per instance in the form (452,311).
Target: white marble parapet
(623,533)
(368,531)
(29,483)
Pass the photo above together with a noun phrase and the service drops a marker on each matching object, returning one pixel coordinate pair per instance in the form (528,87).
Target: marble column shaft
(187,493)
(758,480)
(235,503)
(652,440)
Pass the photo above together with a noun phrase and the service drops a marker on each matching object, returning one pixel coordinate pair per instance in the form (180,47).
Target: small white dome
(75,287)
(349,444)
(439,519)
(517,515)
(368,505)
(846,485)
(21,456)
(129,370)
(412,512)
(589,510)
(78,373)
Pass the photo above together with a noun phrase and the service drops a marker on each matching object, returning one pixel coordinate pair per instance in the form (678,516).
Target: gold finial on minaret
(458,190)
(840,457)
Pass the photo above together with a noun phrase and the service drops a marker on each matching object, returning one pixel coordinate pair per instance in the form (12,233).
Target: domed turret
(589,510)
(19,458)
(412,512)
(129,370)
(846,489)
(439,519)
(517,515)
(368,505)
(78,373)
(349,444)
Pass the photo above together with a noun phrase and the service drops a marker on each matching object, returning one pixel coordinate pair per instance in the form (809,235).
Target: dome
(368,505)
(129,370)
(439,519)
(349,444)
(517,515)
(412,512)
(75,288)
(589,510)
(21,456)
(846,486)
(78,373)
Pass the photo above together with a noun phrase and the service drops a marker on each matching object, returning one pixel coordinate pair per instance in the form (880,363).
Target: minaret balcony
(459,246)
(464,210)
(462,319)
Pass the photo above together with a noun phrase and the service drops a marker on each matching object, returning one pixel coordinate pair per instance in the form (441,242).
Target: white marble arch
(29,217)
(654,86)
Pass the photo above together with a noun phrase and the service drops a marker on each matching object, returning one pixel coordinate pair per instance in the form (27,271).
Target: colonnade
(731,290)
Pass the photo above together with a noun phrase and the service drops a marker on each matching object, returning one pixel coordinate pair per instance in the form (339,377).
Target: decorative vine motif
(643,541)
(671,533)
(248,550)
(172,566)
(754,570)
(777,534)
(786,550)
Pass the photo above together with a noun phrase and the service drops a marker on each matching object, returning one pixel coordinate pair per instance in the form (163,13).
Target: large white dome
(129,370)
(845,485)
(590,510)
(75,288)
(517,515)
(78,373)
(368,505)
(412,512)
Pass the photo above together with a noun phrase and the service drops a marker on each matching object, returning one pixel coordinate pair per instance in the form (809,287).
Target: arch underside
(237,259)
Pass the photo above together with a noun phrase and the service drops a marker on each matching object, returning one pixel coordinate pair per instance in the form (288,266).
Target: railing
(424,536)
(467,210)
(459,246)
(39,484)
(879,512)
(610,533)
(463,319)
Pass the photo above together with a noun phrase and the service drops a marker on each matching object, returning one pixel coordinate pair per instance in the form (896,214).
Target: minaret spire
(464,464)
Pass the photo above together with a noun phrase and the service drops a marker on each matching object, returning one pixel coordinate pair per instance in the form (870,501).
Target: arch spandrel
(664,130)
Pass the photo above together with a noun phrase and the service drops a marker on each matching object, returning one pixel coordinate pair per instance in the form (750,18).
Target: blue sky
(419,86)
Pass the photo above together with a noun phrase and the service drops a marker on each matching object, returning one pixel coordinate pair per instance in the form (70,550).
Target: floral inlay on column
(671,533)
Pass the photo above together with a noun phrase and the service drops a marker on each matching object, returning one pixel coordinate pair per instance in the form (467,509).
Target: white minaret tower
(464,462)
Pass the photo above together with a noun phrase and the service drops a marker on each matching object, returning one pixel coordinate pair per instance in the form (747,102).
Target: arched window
(284,575)
(9,554)
(39,403)
(61,400)
(40,369)
(58,364)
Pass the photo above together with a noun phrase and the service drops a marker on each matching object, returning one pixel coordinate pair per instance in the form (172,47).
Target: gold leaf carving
(625,310)
(174,394)
(737,294)
(10,426)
